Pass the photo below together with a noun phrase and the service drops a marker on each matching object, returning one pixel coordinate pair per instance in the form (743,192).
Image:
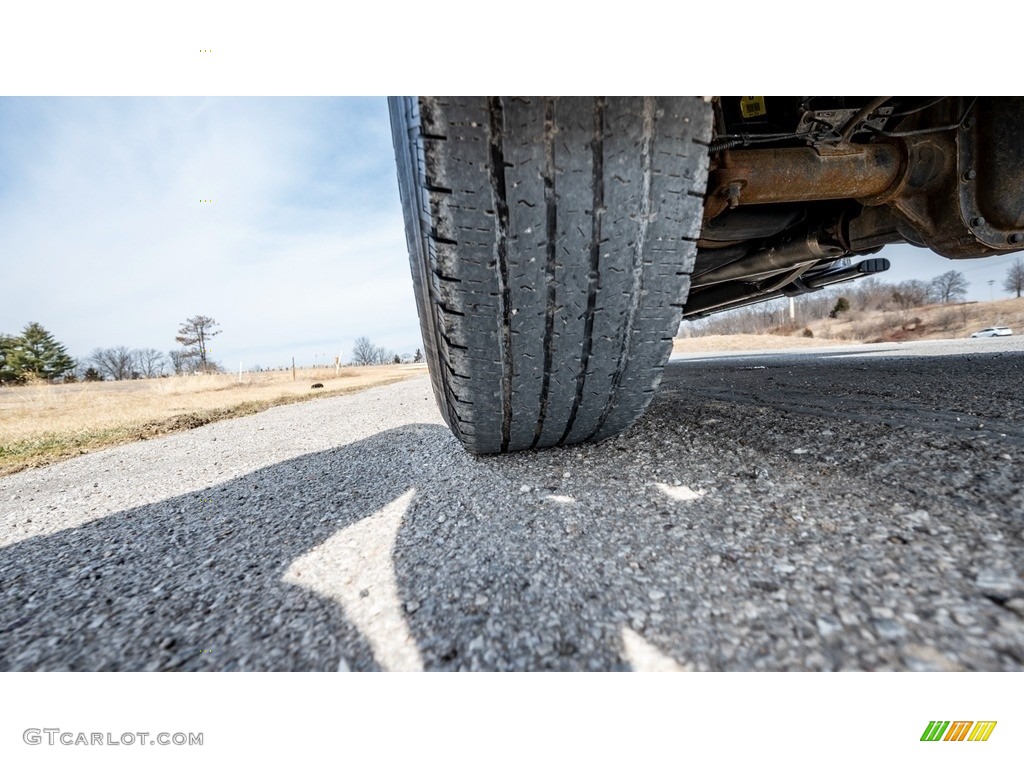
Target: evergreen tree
(37,354)
(841,306)
(7,344)
(194,335)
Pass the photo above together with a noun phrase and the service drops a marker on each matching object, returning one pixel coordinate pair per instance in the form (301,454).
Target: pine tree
(842,305)
(194,335)
(7,344)
(36,354)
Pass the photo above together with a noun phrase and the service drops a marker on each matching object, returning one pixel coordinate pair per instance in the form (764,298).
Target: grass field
(44,423)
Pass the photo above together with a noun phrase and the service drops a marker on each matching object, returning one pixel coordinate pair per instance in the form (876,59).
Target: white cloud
(105,241)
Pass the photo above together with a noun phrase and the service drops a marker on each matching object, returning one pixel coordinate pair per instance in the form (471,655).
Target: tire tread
(551,242)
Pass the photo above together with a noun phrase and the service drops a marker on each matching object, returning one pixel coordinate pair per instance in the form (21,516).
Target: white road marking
(644,657)
(680,492)
(355,568)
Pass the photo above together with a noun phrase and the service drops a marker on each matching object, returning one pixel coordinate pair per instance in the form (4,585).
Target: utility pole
(990,284)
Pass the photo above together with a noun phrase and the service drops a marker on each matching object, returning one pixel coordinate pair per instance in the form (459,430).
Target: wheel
(551,242)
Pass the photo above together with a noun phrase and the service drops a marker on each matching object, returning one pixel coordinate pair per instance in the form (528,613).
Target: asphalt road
(853,508)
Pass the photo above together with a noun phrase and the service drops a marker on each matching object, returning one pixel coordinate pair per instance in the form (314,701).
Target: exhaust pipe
(834,276)
(721,298)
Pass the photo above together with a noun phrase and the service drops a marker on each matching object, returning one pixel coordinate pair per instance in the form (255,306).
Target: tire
(551,243)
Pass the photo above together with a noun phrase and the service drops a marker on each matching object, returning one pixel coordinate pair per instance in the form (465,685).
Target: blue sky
(104,240)
(910,263)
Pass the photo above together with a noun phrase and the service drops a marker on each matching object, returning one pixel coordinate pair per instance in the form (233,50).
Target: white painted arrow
(355,567)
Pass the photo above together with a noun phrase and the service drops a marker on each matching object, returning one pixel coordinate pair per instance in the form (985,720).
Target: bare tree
(912,293)
(1014,282)
(364,352)
(950,286)
(870,293)
(149,362)
(194,335)
(114,362)
(179,361)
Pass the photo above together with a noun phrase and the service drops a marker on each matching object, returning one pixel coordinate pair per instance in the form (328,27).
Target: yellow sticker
(752,106)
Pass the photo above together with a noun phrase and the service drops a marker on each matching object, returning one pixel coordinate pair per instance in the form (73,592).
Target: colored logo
(959,730)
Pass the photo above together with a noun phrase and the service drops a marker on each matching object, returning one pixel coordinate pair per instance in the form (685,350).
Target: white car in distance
(997,330)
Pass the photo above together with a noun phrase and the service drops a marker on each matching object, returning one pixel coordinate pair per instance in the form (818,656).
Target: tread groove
(445,278)
(593,283)
(500,196)
(551,224)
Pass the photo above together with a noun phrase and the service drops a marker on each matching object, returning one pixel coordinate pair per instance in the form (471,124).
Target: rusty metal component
(811,121)
(861,117)
(927,206)
(990,159)
(732,194)
(963,192)
(959,192)
(948,175)
(750,222)
(801,174)
(870,229)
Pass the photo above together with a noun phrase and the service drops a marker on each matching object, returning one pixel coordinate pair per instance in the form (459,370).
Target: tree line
(869,294)
(35,355)
(365,352)
(866,295)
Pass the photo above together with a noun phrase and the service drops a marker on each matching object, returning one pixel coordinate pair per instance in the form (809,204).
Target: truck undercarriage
(798,185)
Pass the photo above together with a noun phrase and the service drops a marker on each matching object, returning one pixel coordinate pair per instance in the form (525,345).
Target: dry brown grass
(934,321)
(44,423)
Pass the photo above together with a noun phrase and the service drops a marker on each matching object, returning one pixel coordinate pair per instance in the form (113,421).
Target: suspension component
(757,176)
